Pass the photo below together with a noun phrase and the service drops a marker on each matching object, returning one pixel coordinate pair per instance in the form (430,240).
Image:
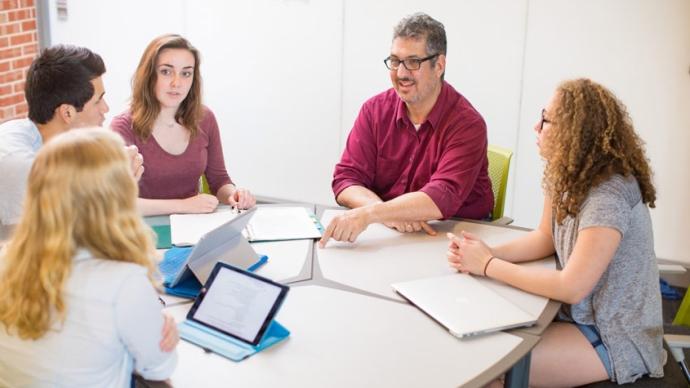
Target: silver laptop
(463,305)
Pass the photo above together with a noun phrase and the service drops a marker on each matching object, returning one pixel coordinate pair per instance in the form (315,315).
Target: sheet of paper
(274,223)
(187,229)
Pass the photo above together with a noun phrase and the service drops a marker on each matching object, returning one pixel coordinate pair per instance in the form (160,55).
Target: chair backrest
(499,166)
(203,185)
(682,316)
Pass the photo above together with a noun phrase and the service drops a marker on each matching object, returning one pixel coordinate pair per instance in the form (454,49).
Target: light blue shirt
(113,326)
(20,140)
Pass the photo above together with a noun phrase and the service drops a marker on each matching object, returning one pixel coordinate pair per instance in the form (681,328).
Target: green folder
(163,233)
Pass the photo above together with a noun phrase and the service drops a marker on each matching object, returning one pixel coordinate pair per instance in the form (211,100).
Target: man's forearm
(415,206)
(357,196)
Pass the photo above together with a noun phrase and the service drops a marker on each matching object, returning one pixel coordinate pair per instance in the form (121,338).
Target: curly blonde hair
(80,194)
(591,140)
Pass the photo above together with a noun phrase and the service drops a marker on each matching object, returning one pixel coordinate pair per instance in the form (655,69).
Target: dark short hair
(61,74)
(422,26)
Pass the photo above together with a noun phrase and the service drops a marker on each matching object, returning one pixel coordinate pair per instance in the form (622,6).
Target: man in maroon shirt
(417,152)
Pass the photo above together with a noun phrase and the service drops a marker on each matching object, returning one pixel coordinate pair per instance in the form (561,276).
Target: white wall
(272,72)
(118,31)
(638,49)
(286,78)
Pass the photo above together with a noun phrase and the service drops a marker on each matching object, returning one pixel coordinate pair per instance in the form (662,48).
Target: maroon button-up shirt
(446,158)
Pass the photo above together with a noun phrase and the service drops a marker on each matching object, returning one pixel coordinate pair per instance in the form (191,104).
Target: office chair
(677,343)
(203,185)
(499,166)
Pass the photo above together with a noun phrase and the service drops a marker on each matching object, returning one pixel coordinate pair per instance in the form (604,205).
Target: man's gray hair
(422,26)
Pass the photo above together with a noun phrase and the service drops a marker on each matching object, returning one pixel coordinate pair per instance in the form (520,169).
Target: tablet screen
(238,303)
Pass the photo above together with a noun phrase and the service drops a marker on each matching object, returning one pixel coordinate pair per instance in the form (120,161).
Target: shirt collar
(82,254)
(434,117)
(36,138)
(401,118)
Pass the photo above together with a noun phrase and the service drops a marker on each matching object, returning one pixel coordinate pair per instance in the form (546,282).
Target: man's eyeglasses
(543,120)
(409,63)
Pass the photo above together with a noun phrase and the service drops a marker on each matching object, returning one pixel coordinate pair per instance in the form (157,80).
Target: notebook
(234,313)
(463,305)
(276,223)
(187,229)
(269,223)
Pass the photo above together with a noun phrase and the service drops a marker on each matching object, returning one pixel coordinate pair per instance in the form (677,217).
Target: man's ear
(66,113)
(440,65)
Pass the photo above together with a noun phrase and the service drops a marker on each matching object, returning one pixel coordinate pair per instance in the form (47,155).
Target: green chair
(499,167)
(203,185)
(677,343)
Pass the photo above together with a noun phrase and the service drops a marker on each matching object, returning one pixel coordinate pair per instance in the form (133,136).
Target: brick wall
(18,47)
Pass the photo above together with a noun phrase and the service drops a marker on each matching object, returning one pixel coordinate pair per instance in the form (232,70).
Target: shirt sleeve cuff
(344,184)
(445,201)
(161,371)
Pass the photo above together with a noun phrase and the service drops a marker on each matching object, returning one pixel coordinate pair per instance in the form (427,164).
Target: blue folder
(189,287)
(226,346)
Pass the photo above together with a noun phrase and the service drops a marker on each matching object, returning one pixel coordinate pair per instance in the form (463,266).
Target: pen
(262,260)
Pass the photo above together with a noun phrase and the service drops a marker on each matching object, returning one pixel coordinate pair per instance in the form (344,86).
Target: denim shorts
(592,334)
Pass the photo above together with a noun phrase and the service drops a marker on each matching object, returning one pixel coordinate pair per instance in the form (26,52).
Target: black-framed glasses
(543,120)
(409,63)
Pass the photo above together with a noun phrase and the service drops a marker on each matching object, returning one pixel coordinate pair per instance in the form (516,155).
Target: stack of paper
(274,223)
(187,229)
(269,223)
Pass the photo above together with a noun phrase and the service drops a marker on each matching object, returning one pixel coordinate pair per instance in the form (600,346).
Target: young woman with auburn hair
(598,187)
(177,136)
(79,307)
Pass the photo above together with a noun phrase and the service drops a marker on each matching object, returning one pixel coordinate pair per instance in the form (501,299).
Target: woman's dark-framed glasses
(543,120)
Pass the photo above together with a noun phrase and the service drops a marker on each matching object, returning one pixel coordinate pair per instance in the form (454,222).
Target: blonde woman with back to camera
(79,307)
(598,187)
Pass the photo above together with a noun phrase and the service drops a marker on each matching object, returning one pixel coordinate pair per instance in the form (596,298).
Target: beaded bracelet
(487,264)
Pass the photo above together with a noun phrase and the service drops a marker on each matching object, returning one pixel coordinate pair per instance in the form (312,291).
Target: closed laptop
(463,305)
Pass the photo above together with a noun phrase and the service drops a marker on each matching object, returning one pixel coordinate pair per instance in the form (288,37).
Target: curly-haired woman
(598,187)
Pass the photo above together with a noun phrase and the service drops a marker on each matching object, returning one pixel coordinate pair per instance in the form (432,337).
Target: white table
(288,261)
(342,339)
(350,329)
(382,256)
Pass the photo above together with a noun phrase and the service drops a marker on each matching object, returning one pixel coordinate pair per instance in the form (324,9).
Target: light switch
(62,10)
